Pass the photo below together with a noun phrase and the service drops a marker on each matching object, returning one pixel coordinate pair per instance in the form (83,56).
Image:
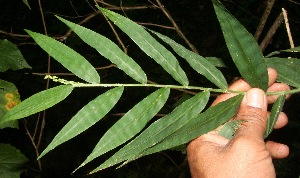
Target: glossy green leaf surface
(38,102)
(160,129)
(12,161)
(131,123)
(109,50)
(199,125)
(11,57)
(287,69)
(69,58)
(243,48)
(276,109)
(86,117)
(197,62)
(149,45)
(183,132)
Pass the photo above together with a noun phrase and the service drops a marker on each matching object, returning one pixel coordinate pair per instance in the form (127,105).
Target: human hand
(246,154)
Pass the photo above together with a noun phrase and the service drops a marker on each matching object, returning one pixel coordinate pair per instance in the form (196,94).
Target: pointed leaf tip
(69,58)
(86,117)
(243,48)
(149,45)
(109,50)
(130,124)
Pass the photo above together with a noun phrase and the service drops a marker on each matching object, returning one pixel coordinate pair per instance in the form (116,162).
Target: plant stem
(297,90)
(216,90)
(158,86)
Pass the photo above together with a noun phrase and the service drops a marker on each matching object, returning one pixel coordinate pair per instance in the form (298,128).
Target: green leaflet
(86,117)
(69,58)
(131,123)
(229,128)
(243,49)
(276,109)
(186,130)
(38,102)
(160,129)
(149,45)
(292,50)
(27,4)
(199,125)
(197,62)
(11,57)
(12,161)
(109,50)
(287,69)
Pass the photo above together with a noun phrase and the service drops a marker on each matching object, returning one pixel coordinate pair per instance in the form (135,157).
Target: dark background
(198,22)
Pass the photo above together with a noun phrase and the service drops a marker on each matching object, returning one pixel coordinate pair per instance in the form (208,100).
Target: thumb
(253,110)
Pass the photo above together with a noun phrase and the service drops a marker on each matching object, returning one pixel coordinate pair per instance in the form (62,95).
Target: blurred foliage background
(196,20)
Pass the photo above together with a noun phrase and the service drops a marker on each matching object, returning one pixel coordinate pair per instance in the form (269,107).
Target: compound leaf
(243,48)
(109,50)
(69,58)
(149,45)
(86,117)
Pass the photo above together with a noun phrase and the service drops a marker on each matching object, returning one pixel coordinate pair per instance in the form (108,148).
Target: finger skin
(277,150)
(253,110)
(277,87)
(247,154)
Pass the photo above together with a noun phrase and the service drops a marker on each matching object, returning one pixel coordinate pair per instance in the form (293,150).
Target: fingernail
(255,98)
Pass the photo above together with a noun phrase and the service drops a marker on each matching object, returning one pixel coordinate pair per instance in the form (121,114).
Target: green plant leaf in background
(110,50)
(287,69)
(11,57)
(11,161)
(86,117)
(276,109)
(69,58)
(131,123)
(9,97)
(161,128)
(194,127)
(37,102)
(292,50)
(243,48)
(197,62)
(27,4)
(149,45)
